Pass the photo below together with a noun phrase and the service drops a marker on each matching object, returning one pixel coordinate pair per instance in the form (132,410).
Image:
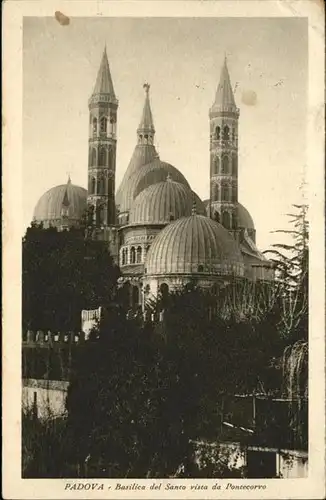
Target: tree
(63,273)
(141,396)
(292,272)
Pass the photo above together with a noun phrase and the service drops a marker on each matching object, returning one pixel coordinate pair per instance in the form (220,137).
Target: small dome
(244,218)
(151,173)
(162,202)
(49,207)
(194,245)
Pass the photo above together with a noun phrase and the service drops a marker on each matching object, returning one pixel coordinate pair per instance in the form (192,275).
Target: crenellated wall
(40,338)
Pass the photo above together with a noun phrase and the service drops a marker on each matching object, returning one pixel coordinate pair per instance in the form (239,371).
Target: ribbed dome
(244,218)
(194,245)
(151,173)
(162,202)
(49,207)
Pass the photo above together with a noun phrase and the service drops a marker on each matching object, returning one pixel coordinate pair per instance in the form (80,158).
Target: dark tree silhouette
(63,273)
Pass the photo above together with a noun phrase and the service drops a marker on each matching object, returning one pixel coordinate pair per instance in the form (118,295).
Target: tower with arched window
(224,116)
(102,144)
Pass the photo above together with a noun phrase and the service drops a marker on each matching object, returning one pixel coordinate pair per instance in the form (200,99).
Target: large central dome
(163,202)
(153,172)
(194,245)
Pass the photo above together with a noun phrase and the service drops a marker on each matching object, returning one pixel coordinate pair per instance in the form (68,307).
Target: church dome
(151,173)
(244,218)
(49,207)
(142,155)
(162,202)
(194,245)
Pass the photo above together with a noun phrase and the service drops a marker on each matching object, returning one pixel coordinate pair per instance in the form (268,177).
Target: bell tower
(102,145)
(224,116)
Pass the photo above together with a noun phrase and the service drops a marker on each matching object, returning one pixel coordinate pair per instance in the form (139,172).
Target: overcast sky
(181,59)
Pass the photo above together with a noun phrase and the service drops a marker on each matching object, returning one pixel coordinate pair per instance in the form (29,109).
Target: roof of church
(142,178)
(224,97)
(162,202)
(50,204)
(142,155)
(194,245)
(146,122)
(104,83)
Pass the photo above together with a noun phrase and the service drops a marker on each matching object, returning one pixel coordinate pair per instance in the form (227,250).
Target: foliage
(292,271)
(44,446)
(63,273)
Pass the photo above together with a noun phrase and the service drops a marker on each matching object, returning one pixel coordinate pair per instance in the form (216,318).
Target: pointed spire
(69,179)
(146,123)
(224,97)
(104,83)
(65,201)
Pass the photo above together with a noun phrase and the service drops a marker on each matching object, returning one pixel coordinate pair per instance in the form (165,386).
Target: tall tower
(224,116)
(103,106)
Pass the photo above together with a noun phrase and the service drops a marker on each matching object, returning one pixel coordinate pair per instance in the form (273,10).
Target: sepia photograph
(165,249)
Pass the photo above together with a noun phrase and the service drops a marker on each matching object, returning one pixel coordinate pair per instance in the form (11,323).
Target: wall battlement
(40,338)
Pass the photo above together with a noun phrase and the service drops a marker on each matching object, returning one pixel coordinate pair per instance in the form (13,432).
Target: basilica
(159,231)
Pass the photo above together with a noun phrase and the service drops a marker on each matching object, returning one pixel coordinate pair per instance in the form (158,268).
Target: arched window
(94,127)
(110,155)
(93,158)
(234,193)
(93,182)
(234,221)
(234,165)
(132,255)
(110,187)
(139,252)
(225,164)
(215,192)
(233,134)
(226,133)
(102,185)
(216,168)
(217,133)
(200,268)
(123,255)
(98,186)
(226,219)
(103,125)
(216,216)
(164,289)
(98,215)
(225,192)
(102,157)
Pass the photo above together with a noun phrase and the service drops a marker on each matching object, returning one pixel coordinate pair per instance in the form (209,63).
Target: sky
(181,58)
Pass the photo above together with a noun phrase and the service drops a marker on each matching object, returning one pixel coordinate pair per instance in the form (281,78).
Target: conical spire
(146,124)
(224,97)
(65,201)
(104,83)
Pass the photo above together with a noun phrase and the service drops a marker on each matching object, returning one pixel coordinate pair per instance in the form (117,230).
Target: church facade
(159,231)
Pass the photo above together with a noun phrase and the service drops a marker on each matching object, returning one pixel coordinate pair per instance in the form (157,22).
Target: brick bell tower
(103,106)
(224,116)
